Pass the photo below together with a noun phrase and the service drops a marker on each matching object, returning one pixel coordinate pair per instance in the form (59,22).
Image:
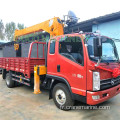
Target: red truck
(78,66)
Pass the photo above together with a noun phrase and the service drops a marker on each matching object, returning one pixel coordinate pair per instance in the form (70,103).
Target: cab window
(52,46)
(71,48)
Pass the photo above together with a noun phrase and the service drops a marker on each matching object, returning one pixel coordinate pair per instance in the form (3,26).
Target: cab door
(51,57)
(71,63)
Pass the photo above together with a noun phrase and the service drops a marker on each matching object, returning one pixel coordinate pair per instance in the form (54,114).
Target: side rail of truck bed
(24,65)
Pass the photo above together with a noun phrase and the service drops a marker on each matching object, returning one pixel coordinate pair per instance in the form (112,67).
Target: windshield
(109,52)
(117,43)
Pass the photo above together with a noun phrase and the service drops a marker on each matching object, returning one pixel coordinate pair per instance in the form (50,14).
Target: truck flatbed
(23,65)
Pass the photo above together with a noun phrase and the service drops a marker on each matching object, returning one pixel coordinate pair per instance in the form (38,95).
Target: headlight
(96,81)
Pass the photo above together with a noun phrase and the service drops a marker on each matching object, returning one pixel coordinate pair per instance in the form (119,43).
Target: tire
(3,74)
(9,82)
(62,97)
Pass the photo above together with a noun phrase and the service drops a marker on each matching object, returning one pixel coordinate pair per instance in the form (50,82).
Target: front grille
(108,83)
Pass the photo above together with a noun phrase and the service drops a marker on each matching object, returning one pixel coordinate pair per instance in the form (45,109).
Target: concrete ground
(20,103)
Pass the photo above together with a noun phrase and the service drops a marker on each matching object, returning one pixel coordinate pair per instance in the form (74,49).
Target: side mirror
(97,47)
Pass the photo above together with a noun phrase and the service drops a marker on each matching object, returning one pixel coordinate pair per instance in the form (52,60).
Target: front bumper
(104,95)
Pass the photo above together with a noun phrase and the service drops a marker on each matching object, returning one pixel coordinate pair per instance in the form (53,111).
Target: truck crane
(53,26)
(80,66)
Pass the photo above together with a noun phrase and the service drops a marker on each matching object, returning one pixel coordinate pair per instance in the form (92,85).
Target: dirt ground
(20,103)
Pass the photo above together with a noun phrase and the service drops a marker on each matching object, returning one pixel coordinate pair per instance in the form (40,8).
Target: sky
(30,12)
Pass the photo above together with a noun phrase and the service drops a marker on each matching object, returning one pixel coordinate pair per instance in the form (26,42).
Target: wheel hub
(60,97)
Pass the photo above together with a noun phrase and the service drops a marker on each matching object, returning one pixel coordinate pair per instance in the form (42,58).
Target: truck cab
(89,78)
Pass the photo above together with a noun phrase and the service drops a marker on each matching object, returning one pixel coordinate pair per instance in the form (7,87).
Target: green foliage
(7,31)
(1,30)
(20,26)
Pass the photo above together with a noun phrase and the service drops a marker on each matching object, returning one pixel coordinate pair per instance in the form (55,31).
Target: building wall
(110,29)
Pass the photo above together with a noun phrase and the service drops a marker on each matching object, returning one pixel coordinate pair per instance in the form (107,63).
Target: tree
(20,26)
(1,30)
(9,31)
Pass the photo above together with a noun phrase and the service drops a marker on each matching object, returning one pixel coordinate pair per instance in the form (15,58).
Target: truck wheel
(62,97)
(3,73)
(9,82)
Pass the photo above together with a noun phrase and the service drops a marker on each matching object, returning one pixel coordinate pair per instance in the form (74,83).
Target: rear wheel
(62,97)
(9,82)
(3,73)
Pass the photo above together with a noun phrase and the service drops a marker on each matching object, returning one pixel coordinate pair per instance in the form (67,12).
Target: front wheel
(62,97)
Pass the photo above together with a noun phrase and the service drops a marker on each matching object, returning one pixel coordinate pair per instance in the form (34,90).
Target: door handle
(58,68)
